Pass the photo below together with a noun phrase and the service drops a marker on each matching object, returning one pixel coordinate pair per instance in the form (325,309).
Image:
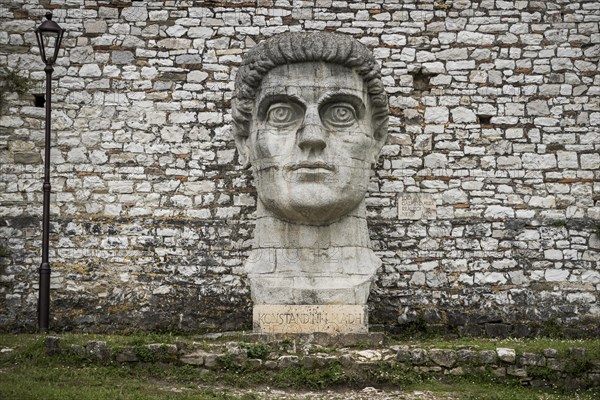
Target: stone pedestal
(331,319)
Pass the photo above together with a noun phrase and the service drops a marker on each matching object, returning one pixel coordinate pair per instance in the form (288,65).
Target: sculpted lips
(312,166)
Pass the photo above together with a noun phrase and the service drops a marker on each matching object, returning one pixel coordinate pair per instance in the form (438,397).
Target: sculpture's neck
(292,263)
(349,231)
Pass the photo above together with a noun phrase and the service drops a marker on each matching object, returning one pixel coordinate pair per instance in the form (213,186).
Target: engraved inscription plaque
(333,319)
(416,206)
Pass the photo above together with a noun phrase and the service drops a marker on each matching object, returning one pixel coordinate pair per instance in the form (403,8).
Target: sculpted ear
(380,137)
(242,145)
(241,111)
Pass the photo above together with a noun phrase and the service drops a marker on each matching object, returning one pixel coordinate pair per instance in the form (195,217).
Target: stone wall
(484,206)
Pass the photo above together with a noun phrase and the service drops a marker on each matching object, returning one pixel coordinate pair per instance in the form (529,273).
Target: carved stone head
(310,117)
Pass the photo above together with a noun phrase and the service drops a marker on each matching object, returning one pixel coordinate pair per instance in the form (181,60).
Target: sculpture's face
(311,142)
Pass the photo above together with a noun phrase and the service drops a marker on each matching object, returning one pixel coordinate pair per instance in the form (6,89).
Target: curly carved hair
(298,47)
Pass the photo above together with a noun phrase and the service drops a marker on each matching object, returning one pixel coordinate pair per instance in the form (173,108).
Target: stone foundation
(573,368)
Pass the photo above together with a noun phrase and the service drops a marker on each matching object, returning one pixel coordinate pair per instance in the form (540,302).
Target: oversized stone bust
(310,117)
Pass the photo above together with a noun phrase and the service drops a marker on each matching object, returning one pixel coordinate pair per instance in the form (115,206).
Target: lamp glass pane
(50,39)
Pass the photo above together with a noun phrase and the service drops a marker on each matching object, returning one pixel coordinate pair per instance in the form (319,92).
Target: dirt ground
(367,393)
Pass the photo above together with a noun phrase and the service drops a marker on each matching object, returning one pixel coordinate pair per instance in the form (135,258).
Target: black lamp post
(49,36)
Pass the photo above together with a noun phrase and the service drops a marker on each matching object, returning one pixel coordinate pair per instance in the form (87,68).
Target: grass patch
(94,384)
(49,380)
(468,389)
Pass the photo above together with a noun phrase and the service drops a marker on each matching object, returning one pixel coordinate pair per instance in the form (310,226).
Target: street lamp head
(49,36)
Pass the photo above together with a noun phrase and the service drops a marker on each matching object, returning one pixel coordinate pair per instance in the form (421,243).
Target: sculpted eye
(281,115)
(339,115)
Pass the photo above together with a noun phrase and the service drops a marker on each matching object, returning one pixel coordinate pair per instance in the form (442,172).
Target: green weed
(11,81)
(551,328)
(4,251)
(300,376)
(257,350)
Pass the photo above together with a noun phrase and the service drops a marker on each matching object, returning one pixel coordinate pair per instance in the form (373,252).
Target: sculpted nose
(311,135)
